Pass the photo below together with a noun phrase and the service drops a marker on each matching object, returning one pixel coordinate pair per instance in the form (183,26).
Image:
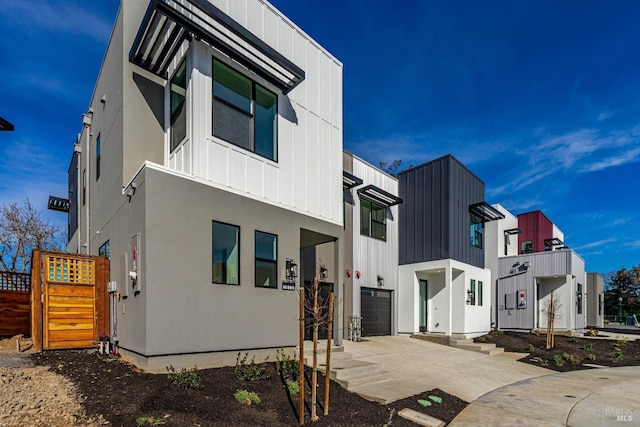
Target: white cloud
(596,243)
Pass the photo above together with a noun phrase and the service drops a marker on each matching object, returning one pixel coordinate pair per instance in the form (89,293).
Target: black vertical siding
(434,218)
(73,196)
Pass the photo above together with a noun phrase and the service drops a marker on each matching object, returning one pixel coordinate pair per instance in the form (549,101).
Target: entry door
(324,289)
(423,306)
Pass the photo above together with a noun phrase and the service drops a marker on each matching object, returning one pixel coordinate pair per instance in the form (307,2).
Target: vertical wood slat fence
(69,299)
(15,289)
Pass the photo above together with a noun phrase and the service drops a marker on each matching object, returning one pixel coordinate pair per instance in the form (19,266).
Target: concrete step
(322,358)
(363,378)
(461,343)
(349,367)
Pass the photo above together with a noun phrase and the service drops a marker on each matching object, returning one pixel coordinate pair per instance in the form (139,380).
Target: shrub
(557,359)
(616,353)
(287,367)
(566,355)
(186,378)
(246,397)
(530,348)
(574,339)
(143,421)
(573,360)
(621,342)
(591,357)
(250,371)
(588,347)
(540,361)
(293,387)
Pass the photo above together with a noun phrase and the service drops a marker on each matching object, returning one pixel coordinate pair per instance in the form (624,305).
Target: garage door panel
(375,309)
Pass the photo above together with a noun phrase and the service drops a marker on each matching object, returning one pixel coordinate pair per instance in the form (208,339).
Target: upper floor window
(98,151)
(266,260)
(84,186)
(526,247)
(244,113)
(373,220)
(226,253)
(178,131)
(476,227)
(105,250)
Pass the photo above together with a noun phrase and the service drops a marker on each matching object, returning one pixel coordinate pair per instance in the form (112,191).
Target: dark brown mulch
(123,394)
(570,353)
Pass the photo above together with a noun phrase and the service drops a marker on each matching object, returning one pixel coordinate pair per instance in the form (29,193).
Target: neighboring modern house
(595,300)
(371,246)
(209,161)
(525,276)
(444,287)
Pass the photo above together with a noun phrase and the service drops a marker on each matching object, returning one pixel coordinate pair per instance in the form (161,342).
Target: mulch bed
(123,395)
(569,353)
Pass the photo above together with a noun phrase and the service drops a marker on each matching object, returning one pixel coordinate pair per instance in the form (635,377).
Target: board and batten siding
(307,175)
(373,257)
(434,217)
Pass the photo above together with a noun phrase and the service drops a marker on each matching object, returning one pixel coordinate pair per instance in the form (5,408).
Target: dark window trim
(371,220)
(270,261)
(84,186)
(98,155)
(239,252)
(474,240)
(171,117)
(251,115)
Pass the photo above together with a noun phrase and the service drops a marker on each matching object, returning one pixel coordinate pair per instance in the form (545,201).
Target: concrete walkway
(595,397)
(418,366)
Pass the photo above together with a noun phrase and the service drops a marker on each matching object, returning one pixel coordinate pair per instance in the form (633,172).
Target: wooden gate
(14,303)
(69,300)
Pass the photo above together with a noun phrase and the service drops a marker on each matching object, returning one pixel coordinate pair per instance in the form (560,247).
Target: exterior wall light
(380,281)
(291,270)
(348,273)
(324,273)
(358,274)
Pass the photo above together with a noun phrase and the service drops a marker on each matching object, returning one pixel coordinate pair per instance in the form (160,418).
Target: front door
(324,289)
(423,306)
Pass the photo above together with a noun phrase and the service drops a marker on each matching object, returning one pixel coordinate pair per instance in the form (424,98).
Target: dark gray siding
(434,218)
(73,196)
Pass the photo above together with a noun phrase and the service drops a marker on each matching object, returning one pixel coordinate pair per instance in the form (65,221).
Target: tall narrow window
(105,250)
(472,293)
(579,298)
(84,187)
(178,118)
(373,220)
(266,260)
(226,253)
(98,151)
(244,113)
(476,227)
(479,292)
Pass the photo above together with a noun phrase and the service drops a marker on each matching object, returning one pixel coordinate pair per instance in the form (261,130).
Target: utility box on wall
(522,298)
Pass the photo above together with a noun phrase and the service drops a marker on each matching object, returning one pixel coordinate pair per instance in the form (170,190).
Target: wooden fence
(15,311)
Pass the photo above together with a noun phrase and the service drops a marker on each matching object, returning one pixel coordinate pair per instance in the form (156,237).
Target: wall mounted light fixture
(291,270)
(380,281)
(324,273)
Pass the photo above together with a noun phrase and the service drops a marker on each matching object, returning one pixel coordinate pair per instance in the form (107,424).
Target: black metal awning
(168,23)
(5,125)
(485,211)
(379,196)
(350,181)
(554,241)
(513,231)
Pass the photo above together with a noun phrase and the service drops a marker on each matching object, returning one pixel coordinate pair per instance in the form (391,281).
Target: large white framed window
(245,114)
(225,253)
(266,260)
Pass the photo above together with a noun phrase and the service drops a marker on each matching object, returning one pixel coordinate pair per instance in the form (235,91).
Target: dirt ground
(66,388)
(569,353)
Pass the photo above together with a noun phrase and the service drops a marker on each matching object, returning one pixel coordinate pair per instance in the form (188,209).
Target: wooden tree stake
(314,373)
(301,363)
(327,380)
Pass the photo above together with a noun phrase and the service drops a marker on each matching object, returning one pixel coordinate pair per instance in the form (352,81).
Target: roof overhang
(554,241)
(513,231)
(485,211)
(350,181)
(5,125)
(168,23)
(379,196)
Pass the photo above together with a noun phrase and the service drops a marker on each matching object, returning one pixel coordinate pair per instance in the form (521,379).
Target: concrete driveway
(418,366)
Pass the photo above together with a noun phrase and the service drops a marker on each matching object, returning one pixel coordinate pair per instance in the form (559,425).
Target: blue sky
(538,98)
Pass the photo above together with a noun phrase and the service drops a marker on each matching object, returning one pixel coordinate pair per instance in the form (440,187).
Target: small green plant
(557,359)
(436,399)
(424,403)
(287,367)
(621,342)
(616,353)
(574,339)
(530,348)
(148,421)
(540,361)
(588,347)
(293,387)
(251,371)
(536,332)
(591,357)
(573,360)
(566,356)
(246,397)
(186,378)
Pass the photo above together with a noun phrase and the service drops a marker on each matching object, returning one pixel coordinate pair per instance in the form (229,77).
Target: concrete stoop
(348,372)
(462,343)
